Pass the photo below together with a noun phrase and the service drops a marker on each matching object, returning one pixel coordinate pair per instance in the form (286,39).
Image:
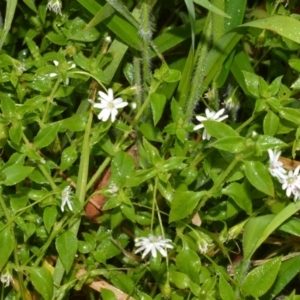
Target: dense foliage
(149,149)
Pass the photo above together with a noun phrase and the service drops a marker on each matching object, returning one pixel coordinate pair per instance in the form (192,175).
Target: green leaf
(288,270)
(192,16)
(120,27)
(262,278)
(79,32)
(252,83)
(180,280)
(259,228)
(68,157)
(150,132)
(16,173)
(7,245)
(46,135)
(240,195)
(188,262)
(140,176)
(266,142)
(206,4)
(290,114)
(226,290)
(152,153)
(234,144)
(15,132)
(158,102)
(9,16)
(123,282)
(122,168)
(75,123)
(66,245)
(271,123)
(291,226)
(283,25)
(259,177)
(219,130)
(173,76)
(107,294)
(49,217)
(42,281)
(183,204)
(8,107)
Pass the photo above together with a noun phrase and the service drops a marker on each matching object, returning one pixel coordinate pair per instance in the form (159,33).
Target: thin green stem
(219,182)
(100,170)
(80,190)
(247,122)
(41,166)
(50,99)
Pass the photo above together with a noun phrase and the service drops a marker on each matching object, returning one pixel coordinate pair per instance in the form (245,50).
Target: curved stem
(50,99)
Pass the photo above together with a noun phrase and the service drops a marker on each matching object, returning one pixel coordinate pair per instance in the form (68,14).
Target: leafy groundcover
(149,149)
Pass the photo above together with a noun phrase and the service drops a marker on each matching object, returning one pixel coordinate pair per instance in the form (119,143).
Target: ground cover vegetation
(149,149)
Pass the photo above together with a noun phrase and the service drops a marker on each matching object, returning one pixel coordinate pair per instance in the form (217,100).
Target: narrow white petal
(110,94)
(56,62)
(162,251)
(121,105)
(103,96)
(219,113)
(147,250)
(104,115)
(198,127)
(222,118)
(113,114)
(201,118)
(153,251)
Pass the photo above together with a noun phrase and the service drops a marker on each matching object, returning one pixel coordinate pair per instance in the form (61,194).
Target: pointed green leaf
(259,177)
(262,278)
(7,245)
(66,245)
(240,195)
(183,204)
(158,102)
(206,4)
(46,135)
(285,26)
(219,130)
(16,173)
(42,281)
(234,144)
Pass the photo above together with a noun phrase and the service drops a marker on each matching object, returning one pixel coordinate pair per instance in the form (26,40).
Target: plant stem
(50,99)
(80,190)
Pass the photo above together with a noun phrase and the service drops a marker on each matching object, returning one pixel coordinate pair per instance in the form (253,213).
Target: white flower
(153,243)
(55,6)
(275,166)
(109,105)
(210,115)
(6,279)
(66,198)
(291,183)
(70,66)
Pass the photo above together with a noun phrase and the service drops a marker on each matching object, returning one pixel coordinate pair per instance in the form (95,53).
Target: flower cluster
(290,180)
(210,115)
(154,244)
